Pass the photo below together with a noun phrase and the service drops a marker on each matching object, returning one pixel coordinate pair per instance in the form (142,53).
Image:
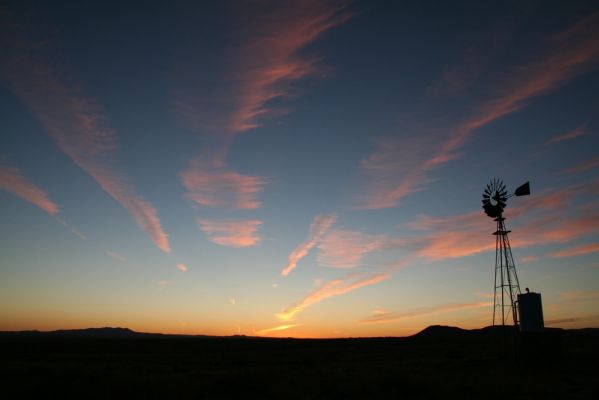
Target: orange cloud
(329,289)
(216,186)
(277,329)
(570,53)
(345,249)
(464,235)
(76,123)
(182,267)
(576,251)
(580,131)
(13,181)
(232,233)
(318,228)
(387,317)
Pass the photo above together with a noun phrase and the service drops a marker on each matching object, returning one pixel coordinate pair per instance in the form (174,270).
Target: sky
(298,168)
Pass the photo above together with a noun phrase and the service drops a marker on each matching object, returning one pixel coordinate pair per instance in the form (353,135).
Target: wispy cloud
(528,259)
(76,123)
(318,228)
(276,329)
(232,300)
(115,255)
(332,288)
(232,233)
(583,166)
(182,267)
(576,251)
(216,186)
(395,173)
(269,58)
(387,317)
(267,64)
(463,235)
(345,249)
(13,181)
(164,283)
(580,131)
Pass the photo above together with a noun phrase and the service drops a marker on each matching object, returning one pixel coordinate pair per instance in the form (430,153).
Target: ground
(437,363)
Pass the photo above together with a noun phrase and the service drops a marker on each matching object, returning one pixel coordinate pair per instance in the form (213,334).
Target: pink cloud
(576,251)
(330,289)
(583,166)
(267,62)
(232,233)
(77,124)
(269,59)
(218,187)
(580,131)
(345,249)
(552,217)
(387,317)
(318,228)
(13,181)
(182,267)
(570,54)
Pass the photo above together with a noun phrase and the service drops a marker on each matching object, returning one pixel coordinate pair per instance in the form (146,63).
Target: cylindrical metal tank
(530,310)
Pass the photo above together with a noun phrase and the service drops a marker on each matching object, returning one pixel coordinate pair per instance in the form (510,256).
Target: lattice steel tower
(507,287)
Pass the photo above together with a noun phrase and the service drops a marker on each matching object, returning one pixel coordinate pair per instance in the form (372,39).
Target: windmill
(507,287)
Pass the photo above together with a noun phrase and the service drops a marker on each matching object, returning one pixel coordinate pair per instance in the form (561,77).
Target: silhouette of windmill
(507,287)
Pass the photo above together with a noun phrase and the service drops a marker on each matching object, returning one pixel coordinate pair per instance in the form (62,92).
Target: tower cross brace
(507,287)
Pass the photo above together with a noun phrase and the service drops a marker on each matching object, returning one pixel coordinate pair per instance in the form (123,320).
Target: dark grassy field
(437,363)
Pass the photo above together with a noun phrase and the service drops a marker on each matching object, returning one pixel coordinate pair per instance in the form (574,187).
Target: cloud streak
(318,228)
(75,122)
(580,131)
(330,289)
(583,166)
(346,249)
(571,53)
(267,64)
(388,317)
(576,251)
(276,329)
(463,235)
(217,186)
(14,182)
(232,233)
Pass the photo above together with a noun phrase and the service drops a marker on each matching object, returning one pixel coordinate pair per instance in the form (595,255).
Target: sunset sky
(294,168)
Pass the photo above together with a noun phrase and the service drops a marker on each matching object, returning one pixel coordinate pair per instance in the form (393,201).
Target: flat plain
(439,362)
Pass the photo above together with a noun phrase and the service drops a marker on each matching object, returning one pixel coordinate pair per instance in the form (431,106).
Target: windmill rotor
(494,198)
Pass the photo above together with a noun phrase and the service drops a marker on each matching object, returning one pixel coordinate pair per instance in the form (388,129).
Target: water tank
(530,309)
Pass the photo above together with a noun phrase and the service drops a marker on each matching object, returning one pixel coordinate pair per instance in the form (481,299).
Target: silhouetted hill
(438,362)
(433,332)
(437,331)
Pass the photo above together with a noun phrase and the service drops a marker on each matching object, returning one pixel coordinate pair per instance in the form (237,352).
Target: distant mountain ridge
(431,332)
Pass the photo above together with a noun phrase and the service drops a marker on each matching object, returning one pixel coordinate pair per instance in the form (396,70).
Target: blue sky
(308,169)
